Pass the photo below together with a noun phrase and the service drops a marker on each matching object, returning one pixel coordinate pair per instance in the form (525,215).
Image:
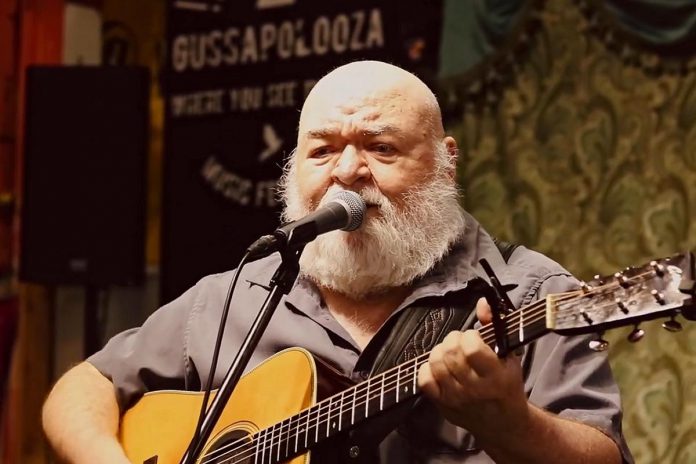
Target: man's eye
(383,148)
(321,152)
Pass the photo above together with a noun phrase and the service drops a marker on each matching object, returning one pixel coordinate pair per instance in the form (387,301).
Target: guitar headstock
(661,288)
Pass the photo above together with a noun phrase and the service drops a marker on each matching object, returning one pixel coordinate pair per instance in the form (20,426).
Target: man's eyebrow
(381,129)
(320,133)
(373,130)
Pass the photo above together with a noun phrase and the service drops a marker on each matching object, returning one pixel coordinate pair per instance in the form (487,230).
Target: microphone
(344,211)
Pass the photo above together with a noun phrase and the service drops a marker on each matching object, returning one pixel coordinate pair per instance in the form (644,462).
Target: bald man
(375,129)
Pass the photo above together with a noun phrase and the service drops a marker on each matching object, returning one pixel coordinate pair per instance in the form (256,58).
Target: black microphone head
(355,206)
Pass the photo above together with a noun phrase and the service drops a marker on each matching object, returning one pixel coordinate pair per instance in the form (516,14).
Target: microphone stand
(280,285)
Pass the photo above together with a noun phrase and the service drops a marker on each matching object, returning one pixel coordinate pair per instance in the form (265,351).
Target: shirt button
(364,375)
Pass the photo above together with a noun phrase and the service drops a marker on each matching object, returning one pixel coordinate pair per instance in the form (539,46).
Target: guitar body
(158,428)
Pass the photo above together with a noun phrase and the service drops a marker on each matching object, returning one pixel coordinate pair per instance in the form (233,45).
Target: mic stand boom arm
(280,285)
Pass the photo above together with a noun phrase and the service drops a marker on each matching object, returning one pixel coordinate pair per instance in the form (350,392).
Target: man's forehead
(366,128)
(368,115)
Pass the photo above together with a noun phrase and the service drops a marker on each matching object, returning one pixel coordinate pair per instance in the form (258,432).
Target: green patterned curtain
(586,150)
(667,26)
(473,30)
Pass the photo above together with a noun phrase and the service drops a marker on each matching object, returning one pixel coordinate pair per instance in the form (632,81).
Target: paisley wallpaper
(593,162)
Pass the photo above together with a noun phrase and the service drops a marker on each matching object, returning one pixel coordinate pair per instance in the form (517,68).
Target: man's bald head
(377,83)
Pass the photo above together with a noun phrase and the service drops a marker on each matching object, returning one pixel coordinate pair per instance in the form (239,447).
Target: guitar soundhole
(234,446)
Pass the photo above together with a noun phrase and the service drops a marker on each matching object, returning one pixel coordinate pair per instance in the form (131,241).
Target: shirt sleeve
(150,357)
(567,378)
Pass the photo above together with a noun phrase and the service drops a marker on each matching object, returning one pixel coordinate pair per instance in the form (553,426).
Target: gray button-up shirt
(173,349)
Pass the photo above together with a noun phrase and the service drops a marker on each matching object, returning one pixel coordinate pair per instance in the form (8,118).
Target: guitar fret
(415,374)
(381,394)
(316,425)
(287,438)
(298,428)
(340,412)
(352,407)
(273,440)
(280,440)
(363,395)
(367,399)
(271,443)
(263,447)
(329,419)
(306,444)
(336,426)
(405,384)
(257,441)
(398,381)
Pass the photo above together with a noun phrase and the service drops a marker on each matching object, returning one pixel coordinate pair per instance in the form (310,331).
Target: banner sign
(237,74)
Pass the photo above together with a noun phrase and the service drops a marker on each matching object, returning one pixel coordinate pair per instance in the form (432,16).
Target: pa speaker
(85,162)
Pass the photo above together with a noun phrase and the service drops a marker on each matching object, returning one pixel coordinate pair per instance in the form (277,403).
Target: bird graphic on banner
(273,143)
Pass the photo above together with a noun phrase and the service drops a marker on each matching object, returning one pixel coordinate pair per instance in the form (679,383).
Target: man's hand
(474,388)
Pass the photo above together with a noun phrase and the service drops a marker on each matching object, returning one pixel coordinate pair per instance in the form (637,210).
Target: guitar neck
(367,399)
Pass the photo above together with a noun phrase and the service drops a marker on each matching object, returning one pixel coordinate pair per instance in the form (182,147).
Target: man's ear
(453,154)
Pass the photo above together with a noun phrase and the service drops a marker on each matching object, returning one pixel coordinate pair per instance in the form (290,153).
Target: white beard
(389,250)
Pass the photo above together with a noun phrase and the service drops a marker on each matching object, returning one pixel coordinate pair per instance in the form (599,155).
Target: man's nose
(351,167)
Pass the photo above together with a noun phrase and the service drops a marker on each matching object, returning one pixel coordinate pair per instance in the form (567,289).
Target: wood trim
(38,26)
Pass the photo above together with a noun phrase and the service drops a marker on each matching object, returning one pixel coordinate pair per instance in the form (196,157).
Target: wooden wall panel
(37,35)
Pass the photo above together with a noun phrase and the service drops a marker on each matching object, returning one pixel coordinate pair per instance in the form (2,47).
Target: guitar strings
(392,378)
(276,438)
(283,435)
(531,312)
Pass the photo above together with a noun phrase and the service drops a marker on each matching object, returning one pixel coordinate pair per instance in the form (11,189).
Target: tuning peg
(586,317)
(621,305)
(599,344)
(636,334)
(622,279)
(671,325)
(659,297)
(658,268)
(585,287)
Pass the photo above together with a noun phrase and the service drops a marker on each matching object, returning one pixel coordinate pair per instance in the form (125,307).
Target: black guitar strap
(417,330)
(420,328)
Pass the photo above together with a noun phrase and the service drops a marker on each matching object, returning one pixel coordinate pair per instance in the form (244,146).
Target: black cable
(216,351)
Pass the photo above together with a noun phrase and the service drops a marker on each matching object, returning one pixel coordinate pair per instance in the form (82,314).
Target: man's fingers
(447,388)
(479,357)
(483,311)
(427,383)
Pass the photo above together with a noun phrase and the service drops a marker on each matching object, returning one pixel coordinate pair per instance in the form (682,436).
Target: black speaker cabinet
(85,161)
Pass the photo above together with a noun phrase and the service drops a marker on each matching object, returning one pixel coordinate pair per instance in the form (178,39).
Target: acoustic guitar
(282,409)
